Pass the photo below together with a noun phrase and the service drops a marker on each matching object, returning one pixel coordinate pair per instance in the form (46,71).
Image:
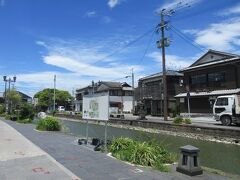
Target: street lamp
(8,80)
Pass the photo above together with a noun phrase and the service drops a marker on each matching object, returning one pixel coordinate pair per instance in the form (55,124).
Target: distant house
(80,93)
(215,73)
(150,91)
(120,94)
(25,98)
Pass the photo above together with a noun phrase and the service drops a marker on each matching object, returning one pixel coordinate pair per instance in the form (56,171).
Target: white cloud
(191,31)
(174,4)
(90,14)
(77,61)
(220,36)
(34,82)
(173,62)
(235,10)
(106,20)
(113,3)
(77,67)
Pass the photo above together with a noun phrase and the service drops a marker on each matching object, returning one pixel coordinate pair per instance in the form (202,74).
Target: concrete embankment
(205,131)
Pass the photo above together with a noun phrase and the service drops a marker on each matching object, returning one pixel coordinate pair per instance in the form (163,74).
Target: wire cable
(127,45)
(146,49)
(184,37)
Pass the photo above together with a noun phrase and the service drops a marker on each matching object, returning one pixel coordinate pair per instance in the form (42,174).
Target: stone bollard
(189,161)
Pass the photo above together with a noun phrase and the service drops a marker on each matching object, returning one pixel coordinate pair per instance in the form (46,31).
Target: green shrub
(26,112)
(144,154)
(7,116)
(48,124)
(122,148)
(2,109)
(187,121)
(141,153)
(24,121)
(178,120)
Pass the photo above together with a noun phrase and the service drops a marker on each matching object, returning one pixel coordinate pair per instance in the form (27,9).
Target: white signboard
(96,107)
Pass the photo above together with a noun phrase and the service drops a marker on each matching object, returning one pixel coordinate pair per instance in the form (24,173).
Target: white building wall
(127,103)
(126,100)
(115,98)
(78,105)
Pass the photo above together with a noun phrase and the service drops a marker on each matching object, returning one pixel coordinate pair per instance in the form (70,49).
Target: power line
(146,49)
(122,48)
(197,13)
(127,45)
(187,39)
(120,78)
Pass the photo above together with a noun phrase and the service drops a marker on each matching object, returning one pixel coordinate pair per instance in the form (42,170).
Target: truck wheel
(226,120)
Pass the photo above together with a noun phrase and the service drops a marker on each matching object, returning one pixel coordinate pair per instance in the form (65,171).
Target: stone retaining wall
(169,126)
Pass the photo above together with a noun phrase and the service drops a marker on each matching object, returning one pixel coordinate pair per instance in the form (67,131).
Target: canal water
(225,157)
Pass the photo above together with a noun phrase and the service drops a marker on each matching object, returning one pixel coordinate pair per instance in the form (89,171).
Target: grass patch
(48,124)
(187,121)
(141,153)
(178,120)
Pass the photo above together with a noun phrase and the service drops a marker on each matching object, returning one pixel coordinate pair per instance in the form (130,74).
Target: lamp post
(8,80)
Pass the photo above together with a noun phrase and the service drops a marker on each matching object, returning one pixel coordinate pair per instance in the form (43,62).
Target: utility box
(189,161)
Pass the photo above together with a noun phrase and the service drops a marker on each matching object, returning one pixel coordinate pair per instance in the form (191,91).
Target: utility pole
(73,98)
(133,100)
(164,67)
(54,94)
(93,87)
(7,100)
(5,92)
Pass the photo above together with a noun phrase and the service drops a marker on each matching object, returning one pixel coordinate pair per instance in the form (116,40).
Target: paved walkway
(87,164)
(20,159)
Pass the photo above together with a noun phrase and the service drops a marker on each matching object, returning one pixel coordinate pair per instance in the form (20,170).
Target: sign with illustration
(96,107)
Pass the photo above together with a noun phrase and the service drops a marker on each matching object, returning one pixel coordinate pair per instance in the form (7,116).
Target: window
(216,77)
(199,79)
(128,93)
(115,93)
(222,102)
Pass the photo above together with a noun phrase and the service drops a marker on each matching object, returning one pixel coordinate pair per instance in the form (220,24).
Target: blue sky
(87,40)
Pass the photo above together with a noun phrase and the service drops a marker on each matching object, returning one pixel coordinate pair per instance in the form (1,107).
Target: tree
(45,98)
(13,98)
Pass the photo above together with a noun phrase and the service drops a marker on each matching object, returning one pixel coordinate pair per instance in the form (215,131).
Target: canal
(225,157)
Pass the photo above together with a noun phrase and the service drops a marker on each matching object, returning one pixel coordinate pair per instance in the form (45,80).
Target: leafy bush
(178,120)
(2,109)
(48,124)
(122,148)
(26,112)
(24,121)
(187,121)
(7,116)
(144,154)
(141,153)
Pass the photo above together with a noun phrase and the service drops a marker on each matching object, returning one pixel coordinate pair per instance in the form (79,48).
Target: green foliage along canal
(225,157)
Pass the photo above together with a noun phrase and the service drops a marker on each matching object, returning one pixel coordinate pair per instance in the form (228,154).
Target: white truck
(227,109)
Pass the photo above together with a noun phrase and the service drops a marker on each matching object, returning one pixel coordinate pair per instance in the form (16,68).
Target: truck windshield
(222,102)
